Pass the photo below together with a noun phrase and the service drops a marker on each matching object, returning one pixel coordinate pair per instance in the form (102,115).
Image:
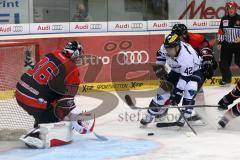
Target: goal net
(15,59)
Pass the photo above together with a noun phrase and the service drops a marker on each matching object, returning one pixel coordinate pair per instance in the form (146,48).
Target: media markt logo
(202,11)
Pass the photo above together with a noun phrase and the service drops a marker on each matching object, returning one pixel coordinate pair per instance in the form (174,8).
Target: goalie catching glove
(66,109)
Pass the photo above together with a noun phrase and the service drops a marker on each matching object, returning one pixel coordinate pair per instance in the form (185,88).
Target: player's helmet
(73,50)
(231,4)
(172,40)
(179,29)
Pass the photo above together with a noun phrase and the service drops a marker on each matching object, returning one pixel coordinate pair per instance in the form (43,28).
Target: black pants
(40,115)
(227,52)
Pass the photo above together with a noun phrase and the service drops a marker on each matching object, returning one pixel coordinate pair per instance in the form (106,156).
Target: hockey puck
(150,134)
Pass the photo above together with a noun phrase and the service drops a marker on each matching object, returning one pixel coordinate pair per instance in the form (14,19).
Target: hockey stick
(100,137)
(177,122)
(185,119)
(130,103)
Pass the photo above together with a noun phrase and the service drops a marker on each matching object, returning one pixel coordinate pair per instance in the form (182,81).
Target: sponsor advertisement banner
(163,24)
(88,26)
(215,81)
(127,26)
(49,27)
(139,85)
(110,58)
(196,9)
(12,29)
(203,23)
(14,11)
(192,24)
(122,86)
(119,58)
(119,86)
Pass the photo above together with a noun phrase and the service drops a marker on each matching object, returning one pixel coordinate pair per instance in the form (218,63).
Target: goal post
(15,59)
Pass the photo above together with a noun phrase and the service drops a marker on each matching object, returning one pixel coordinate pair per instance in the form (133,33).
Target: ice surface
(85,148)
(129,142)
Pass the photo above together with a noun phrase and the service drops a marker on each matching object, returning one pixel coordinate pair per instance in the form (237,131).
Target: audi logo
(136,25)
(214,23)
(17,28)
(57,27)
(96,26)
(132,57)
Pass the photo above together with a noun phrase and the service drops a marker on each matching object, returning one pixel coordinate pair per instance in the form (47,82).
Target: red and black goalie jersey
(54,77)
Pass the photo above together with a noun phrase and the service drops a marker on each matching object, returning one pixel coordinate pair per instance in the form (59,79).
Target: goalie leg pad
(56,134)
(32,139)
(49,135)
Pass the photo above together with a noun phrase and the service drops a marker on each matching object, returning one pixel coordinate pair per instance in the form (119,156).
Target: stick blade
(128,100)
(102,138)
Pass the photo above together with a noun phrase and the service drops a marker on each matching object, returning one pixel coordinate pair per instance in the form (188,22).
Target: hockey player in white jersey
(185,75)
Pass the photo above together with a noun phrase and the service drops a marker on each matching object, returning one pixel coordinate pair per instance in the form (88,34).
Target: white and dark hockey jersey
(186,63)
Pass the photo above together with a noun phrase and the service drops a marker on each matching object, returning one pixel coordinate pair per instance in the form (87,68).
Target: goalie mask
(73,50)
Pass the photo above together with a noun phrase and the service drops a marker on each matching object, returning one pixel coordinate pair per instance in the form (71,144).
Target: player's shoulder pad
(161,51)
(188,47)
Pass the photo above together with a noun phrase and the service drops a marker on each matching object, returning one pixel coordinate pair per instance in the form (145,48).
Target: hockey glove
(160,71)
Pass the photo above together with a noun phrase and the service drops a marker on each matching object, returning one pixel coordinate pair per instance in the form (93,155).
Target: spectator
(229,42)
(81,15)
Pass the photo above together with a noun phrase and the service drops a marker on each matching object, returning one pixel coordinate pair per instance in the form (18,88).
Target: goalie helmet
(179,29)
(73,50)
(172,40)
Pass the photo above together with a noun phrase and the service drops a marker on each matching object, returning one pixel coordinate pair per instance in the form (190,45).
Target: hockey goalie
(47,92)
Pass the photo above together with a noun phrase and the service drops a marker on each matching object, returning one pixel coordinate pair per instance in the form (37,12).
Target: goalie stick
(87,114)
(100,137)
